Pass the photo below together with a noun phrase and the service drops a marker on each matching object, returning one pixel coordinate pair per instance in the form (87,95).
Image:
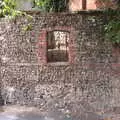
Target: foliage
(7,9)
(112,29)
(112,12)
(27,28)
(51,5)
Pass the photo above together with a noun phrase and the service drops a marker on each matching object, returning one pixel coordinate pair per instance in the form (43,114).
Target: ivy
(112,28)
(27,28)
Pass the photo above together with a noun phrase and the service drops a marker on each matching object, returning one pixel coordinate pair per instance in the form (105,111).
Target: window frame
(42,49)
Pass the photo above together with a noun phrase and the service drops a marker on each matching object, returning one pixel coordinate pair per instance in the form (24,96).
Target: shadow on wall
(1,99)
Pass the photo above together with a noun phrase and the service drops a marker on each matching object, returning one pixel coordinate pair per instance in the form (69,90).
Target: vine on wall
(112,28)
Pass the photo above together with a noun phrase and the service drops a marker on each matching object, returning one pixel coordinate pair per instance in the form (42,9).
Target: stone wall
(87,83)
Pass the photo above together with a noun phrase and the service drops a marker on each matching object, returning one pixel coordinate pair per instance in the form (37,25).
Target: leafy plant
(7,9)
(51,5)
(27,27)
(112,29)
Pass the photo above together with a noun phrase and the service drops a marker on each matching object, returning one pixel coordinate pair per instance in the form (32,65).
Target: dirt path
(29,113)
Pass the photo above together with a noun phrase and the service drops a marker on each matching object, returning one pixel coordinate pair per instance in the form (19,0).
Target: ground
(29,113)
(32,113)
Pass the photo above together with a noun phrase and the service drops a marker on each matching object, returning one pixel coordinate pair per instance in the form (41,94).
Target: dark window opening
(57,46)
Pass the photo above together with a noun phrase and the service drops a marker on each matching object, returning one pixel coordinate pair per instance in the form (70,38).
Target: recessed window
(57,46)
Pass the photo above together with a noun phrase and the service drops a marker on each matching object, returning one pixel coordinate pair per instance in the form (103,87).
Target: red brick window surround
(57,45)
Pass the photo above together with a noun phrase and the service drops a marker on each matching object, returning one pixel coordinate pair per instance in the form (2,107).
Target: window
(57,46)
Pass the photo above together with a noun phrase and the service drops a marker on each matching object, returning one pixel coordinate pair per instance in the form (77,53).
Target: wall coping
(81,12)
(66,13)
